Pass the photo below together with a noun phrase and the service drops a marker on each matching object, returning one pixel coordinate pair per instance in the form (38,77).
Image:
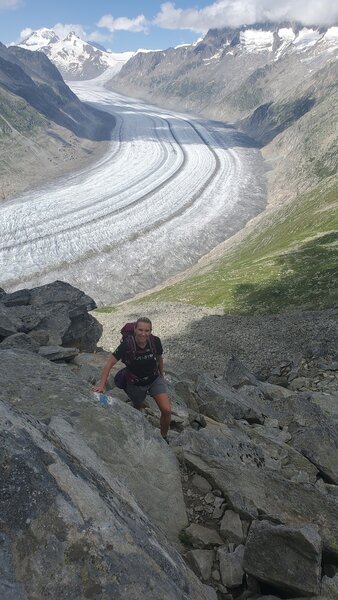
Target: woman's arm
(104,375)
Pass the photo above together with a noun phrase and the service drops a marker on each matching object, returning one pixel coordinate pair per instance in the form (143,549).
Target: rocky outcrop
(119,436)
(53,314)
(68,524)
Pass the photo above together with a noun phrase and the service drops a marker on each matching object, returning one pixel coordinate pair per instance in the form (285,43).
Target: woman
(144,371)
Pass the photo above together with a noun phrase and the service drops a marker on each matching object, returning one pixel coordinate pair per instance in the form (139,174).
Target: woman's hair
(144,320)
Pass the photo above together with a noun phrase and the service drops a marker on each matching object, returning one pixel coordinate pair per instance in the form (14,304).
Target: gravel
(203,339)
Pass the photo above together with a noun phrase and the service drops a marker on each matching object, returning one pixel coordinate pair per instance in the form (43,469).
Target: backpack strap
(153,346)
(131,352)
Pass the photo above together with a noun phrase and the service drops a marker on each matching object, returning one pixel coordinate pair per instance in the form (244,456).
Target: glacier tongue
(170,189)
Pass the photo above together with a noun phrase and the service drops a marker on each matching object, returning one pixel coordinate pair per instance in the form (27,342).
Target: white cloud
(140,23)
(233,13)
(25,33)
(63,29)
(4,4)
(98,36)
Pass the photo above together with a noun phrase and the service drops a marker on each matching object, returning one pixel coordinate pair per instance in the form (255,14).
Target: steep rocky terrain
(44,129)
(241,505)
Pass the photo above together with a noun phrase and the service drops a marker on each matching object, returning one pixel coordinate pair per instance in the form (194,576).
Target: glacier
(170,189)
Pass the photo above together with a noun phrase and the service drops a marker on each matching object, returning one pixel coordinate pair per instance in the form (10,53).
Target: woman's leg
(137,395)
(163,402)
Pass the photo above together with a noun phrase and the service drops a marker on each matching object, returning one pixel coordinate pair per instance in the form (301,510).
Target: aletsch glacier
(170,189)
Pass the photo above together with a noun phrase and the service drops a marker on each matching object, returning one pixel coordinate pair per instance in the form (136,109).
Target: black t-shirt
(142,362)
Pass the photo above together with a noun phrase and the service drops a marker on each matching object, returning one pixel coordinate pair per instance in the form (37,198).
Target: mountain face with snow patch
(45,130)
(214,76)
(277,82)
(74,58)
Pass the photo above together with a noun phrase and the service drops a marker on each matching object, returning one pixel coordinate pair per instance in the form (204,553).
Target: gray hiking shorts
(137,393)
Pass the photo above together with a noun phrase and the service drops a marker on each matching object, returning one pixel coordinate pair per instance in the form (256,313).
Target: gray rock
(231,566)
(218,401)
(287,557)
(274,392)
(202,537)
(8,324)
(231,527)
(200,483)
(299,383)
(314,435)
(69,524)
(237,375)
(19,298)
(21,341)
(121,437)
(328,403)
(58,353)
(184,389)
(219,508)
(237,467)
(40,336)
(59,308)
(201,562)
(329,587)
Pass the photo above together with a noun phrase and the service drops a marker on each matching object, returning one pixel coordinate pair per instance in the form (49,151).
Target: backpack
(127,333)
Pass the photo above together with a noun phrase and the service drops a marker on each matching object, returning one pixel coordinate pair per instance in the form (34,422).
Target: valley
(169,189)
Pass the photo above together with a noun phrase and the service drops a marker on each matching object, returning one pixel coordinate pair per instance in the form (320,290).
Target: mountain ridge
(44,128)
(75,58)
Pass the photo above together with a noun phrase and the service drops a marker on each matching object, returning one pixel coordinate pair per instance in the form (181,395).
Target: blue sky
(128,25)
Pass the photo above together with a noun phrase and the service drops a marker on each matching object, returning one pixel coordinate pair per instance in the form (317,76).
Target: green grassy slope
(289,261)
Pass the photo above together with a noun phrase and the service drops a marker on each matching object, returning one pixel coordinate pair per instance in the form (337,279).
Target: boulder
(21,341)
(201,562)
(70,528)
(232,463)
(286,557)
(329,587)
(8,323)
(231,528)
(58,353)
(119,435)
(19,298)
(59,308)
(202,537)
(237,375)
(231,566)
(218,401)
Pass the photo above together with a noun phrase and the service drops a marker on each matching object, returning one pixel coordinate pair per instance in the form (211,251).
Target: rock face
(119,435)
(66,519)
(95,503)
(57,309)
(286,557)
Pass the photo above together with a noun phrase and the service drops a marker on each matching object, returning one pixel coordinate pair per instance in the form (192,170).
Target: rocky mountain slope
(74,58)
(44,128)
(278,84)
(275,81)
(94,503)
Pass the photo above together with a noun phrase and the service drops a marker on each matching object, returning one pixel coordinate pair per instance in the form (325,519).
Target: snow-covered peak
(306,38)
(331,35)
(74,57)
(253,40)
(39,39)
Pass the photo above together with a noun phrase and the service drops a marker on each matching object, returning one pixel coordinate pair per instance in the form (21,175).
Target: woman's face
(142,332)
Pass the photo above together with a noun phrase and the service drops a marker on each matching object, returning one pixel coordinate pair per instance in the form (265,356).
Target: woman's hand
(99,389)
